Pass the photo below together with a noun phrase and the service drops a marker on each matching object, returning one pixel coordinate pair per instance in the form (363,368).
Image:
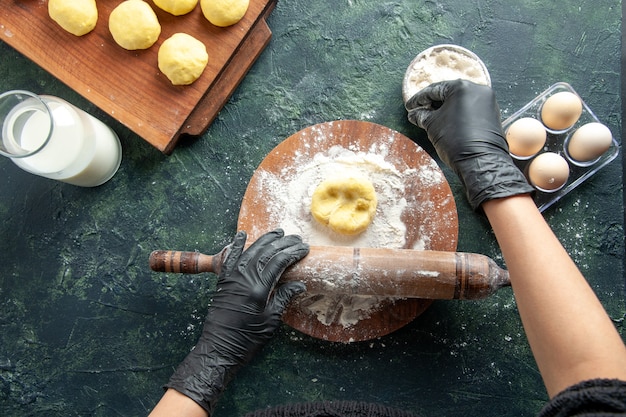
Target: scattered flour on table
(288,199)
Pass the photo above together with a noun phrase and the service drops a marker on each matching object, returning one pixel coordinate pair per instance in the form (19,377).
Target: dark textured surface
(87,329)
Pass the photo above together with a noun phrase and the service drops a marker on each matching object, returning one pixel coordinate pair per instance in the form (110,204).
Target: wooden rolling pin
(399,273)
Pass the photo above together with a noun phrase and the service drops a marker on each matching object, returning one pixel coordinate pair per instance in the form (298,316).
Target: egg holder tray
(555,143)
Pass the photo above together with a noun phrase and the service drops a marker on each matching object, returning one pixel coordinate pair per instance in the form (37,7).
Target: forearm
(173,403)
(571,336)
(245,311)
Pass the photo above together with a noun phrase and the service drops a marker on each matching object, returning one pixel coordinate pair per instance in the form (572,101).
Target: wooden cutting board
(128,84)
(430,215)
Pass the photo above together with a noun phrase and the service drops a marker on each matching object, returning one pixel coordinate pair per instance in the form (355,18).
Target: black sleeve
(606,397)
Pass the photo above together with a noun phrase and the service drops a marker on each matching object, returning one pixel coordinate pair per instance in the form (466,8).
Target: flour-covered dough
(78,17)
(346,205)
(134,25)
(182,58)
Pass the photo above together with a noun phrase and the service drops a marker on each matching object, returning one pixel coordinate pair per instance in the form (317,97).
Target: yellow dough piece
(78,17)
(346,205)
(224,12)
(182,58)
(176,7)
(134,25)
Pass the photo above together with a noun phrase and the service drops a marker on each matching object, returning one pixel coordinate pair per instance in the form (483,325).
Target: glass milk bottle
(49,137)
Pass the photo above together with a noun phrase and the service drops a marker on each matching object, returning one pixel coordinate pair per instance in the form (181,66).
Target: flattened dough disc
(437,225)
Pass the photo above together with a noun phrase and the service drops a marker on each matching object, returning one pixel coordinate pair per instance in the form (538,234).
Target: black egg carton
(555,143)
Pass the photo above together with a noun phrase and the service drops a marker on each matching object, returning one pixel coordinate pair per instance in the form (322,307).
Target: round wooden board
(429,215)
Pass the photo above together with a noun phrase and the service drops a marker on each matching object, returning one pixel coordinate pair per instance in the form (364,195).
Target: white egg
(549,171)
(561,110)
(526,137)
(589,142)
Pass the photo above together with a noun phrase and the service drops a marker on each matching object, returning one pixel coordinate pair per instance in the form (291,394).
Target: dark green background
(86,329)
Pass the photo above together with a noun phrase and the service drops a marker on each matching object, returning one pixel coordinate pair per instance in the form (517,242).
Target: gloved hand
(462,120)
(243,315)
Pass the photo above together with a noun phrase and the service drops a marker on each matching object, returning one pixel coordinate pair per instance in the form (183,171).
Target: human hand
(462,120)
(243,315)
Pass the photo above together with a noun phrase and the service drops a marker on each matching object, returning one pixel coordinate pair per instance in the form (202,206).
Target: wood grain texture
(430,214)
(128,84)
(383,272)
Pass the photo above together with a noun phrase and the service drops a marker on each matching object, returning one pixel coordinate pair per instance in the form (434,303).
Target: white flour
(441,64)
(288,202)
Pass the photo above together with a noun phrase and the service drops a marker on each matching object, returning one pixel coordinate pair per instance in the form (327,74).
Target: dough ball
(346,205)
(182,58)
(78,17)
(224,12)
(176,7)
(134,25)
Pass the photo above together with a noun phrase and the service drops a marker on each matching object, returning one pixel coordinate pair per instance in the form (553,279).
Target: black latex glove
(243,315)
(462,120)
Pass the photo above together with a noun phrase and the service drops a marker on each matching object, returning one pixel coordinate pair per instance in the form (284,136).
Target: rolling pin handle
(186,262)
(478,277)
(500,276)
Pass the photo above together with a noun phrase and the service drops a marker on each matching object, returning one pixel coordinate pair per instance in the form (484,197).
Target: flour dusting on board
(288,196)
(290,199)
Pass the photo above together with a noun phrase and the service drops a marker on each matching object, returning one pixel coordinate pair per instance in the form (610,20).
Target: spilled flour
(291,206)
(288,203)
